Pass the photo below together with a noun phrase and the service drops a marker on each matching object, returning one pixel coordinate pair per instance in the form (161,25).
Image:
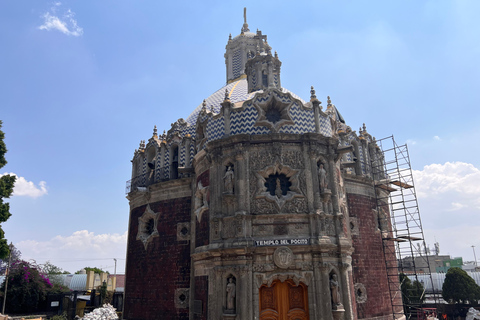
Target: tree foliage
(28,287)
(412,293)
(50,268)
(95,270)
(459,287)
(6,189)
(16,255)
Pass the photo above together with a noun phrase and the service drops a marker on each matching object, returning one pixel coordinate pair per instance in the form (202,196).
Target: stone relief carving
(297,205)
(288,192)
(215,228)
(201,201)
(293,159)
(263,267)
(330,226)
(273,113)
(233,227)
(283,257)
(147,226)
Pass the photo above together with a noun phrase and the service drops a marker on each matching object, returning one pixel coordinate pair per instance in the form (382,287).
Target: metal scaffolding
(403,240)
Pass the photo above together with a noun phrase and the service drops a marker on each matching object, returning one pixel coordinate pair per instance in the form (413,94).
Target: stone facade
(260,205)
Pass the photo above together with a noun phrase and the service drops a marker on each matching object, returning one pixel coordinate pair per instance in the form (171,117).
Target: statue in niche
(229,180)
(201,201)
(335,292)
(278,189)
(231,293)
(322,177)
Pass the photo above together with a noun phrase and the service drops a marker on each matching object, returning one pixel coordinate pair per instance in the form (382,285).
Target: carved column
(188,141)
(316,114)
(162,160)
(317,204)
(271,83)
(333,181)
(241,183)
(323,291)
(347,305)
(309,172)
(226,107)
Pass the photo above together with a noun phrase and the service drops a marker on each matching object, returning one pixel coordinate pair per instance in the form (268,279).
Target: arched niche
(174,160)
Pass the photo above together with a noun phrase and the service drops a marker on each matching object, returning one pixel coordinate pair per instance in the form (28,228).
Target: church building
(259,205)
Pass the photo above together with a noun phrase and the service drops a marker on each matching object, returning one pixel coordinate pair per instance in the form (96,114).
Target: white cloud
(28,188)
(449,203)
(78,250)
(66,24)
(437,138)
(411,142)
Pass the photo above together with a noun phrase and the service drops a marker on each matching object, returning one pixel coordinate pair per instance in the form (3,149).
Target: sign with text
(282,242)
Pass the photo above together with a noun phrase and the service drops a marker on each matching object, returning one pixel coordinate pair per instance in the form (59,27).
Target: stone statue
(228,180)
(278,189)
(322,177)
(335,292)
(231,292)
(201,201)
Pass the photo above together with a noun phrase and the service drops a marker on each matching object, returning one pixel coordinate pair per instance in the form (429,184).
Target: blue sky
(82,82)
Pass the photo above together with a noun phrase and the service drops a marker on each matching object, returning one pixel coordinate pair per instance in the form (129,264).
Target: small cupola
(263,69)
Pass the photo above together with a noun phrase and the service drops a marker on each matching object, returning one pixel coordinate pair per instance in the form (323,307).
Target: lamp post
(10,247)
(474,256)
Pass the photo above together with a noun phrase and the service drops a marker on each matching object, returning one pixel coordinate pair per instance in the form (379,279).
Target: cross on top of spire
(245,24)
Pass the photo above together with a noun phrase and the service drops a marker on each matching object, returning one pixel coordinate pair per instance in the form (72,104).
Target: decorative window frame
(143,220)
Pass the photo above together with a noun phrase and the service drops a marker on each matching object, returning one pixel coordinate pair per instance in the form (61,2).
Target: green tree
(412,293)
(28,288)
(16,255)
(6,188)
(95,270)
(459,287)
(50,268)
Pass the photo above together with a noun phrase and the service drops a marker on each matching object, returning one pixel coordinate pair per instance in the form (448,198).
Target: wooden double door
(284,301)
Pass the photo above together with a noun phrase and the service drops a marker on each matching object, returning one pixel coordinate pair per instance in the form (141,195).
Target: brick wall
(202,229)
(154,274)
(368,261)
(201,294)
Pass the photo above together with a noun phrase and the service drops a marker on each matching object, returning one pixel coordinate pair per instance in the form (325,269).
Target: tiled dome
(238,92)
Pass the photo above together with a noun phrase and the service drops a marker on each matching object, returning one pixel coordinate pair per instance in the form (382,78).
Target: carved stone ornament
(360,293)
(182,298)
(201,202)
(183,231)
(147,226)
(273,109)
(278,198)
(283,257)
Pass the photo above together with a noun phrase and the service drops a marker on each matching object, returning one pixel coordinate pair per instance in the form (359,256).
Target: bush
(28,288)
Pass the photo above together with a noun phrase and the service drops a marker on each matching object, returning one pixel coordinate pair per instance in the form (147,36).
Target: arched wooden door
(283,301)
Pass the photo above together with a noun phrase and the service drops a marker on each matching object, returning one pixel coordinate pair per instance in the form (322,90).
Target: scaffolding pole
(403,240)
